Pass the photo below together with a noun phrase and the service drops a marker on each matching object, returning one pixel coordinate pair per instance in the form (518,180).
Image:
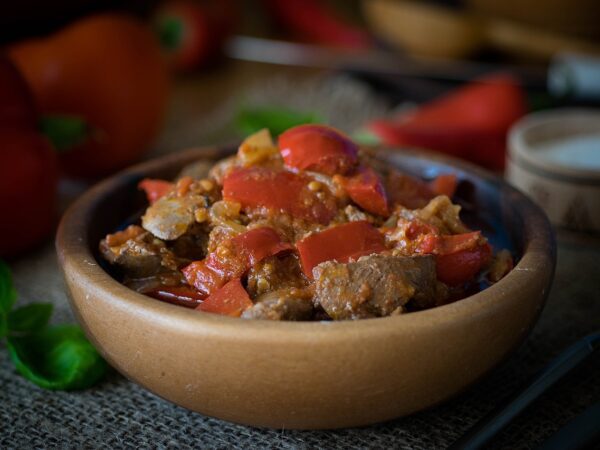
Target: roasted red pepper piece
(318,148)
(444,185)
(470,122)
(230,300)
(453,243)
(446,244)
(155,189)
(179,295)
(278,190)
(407,191)
(341,243)
(233,258)
(365,188)
(459,267)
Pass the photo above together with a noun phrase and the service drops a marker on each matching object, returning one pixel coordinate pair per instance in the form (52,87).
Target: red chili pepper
(155,189)
(256,187)
(178,295)
(313,21)
(28,168)
(470,122)
(319,148)
(365,188)
(230,300)
(233,259)
(341,243)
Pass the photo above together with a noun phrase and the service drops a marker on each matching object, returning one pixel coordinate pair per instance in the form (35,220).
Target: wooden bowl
(423,28)
(307,375)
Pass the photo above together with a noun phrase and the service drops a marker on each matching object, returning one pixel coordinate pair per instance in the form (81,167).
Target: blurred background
(88,88)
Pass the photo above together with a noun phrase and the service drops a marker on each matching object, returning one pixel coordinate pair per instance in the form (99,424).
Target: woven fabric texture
(119,414)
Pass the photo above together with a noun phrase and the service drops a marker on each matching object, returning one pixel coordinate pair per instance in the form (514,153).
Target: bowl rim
(76,259)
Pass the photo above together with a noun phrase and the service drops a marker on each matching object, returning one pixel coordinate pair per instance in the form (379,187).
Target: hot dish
(309,229)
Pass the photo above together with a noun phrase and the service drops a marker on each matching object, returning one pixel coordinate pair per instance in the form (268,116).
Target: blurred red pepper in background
(192,33)
(103,75)
(469,123)
(28,168)
(313,21)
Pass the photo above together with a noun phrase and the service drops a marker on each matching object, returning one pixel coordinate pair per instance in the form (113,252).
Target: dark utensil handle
(490,425)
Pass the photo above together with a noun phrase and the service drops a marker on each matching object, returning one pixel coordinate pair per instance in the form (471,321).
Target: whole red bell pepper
(192,33)
(469,123)
(340,243)
(104,80)
(233,258)
(28,168)
(278,190)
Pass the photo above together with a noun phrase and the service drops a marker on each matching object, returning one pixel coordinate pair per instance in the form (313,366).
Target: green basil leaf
(29,318)
(8,294)
(277,120)
(58,358)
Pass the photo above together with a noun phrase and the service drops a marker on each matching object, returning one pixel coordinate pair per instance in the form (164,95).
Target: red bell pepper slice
(277,190)
(408,191)
(454,243)
(365,188)
(230,300)
(318,148)
(459,257)
(341,243)
(155,189)
(459,267)
(237,256)
(444,184)
(178,295)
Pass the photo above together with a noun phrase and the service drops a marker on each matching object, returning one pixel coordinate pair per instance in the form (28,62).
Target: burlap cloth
(119,414)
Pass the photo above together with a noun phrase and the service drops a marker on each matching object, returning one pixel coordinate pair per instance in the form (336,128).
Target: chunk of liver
(374,286)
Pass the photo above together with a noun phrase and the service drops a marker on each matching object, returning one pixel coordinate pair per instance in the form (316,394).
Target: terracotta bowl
(308,375)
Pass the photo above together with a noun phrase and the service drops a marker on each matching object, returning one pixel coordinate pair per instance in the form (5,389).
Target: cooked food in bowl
(309,229)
